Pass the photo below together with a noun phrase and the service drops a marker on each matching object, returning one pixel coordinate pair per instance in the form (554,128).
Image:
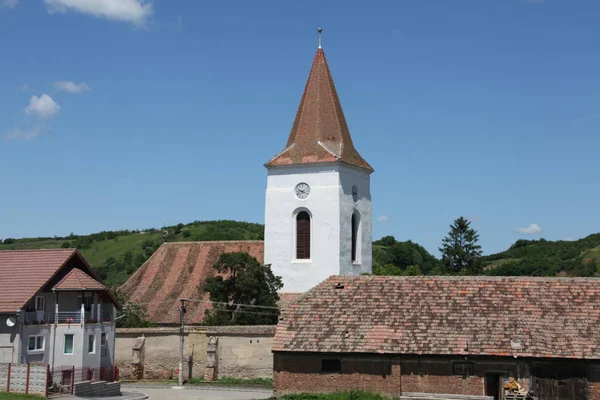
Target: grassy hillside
(546,258)
(115,255)
(525,257)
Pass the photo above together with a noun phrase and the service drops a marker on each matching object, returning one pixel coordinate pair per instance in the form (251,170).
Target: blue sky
(148,113)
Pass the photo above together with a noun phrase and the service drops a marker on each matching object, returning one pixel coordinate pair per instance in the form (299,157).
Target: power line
(205,301)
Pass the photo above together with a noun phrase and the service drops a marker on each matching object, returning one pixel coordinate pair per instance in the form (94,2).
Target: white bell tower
(318,202)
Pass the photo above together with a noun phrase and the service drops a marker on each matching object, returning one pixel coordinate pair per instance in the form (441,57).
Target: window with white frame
(69,339)
(40,303)
(91,343)
(36,343)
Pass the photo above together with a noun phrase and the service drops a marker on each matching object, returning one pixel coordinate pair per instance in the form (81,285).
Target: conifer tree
(460,252)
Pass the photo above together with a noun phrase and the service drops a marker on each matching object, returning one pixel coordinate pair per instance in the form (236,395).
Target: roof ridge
(214,241)
(38,250)
(469,278)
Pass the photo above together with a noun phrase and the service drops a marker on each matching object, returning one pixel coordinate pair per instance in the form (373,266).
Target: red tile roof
(502,316)
(24,272)
(179,270)
(76,279)
(320,132)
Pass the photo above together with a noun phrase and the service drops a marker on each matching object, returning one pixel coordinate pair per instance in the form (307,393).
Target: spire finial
(320,30)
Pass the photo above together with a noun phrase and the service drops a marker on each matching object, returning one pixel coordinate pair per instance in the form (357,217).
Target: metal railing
(38,318)
(69,317)
(66,317)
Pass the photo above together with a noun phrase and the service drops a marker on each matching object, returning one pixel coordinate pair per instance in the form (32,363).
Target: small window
(329,365)
(36,343)
(40,303)
(463,369)
(68,349)
(103,339)
(303,235)
(92,343)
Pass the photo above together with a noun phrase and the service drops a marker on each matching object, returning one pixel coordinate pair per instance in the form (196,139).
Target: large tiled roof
(179,270)
(320,132)
(24,272)
(503,316)
(76,279)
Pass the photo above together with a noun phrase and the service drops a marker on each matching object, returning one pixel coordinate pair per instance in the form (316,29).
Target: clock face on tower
(354,193)
(302,190)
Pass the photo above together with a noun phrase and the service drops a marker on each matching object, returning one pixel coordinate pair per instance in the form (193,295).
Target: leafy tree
(246,282)
(128,258)
(134,315)
(460,252)
(9,241)
(65,245)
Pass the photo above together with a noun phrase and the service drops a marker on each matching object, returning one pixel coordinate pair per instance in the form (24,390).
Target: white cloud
(42,106)
(8,3)
(134,11)
(71,87)
(383,218)
(25,135)
(531,229)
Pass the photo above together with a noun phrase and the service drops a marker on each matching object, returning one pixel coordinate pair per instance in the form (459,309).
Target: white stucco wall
(350,177)
(330,205)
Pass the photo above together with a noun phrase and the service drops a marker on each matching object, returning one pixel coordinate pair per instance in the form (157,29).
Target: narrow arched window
(354,235)
(303,235)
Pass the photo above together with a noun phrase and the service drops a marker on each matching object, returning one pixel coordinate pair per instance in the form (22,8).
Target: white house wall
(9,340)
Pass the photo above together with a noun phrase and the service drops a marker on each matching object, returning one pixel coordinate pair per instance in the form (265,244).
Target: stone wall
(241,352)
(24,378)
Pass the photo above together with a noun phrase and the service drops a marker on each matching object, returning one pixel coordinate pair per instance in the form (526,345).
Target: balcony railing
(69,317)
(66,317)
(38,318)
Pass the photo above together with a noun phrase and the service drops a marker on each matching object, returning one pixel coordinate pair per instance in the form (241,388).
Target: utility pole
(181,333)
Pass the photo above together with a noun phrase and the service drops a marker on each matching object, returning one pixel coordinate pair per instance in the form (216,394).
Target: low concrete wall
(24,378)
(242,352)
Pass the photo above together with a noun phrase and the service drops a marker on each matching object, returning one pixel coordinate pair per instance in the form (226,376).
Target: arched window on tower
(354,237)
(302,235)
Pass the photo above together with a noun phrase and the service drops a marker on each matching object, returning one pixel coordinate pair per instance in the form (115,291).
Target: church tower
(318,202)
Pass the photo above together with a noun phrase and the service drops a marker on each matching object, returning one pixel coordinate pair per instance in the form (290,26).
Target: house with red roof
(55,311)
(445,335)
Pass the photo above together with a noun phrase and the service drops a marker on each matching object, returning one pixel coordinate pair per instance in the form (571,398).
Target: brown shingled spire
(320,132)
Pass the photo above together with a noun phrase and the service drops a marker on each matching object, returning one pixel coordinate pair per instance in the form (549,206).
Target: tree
(246,282)
(460,252)
(134,315)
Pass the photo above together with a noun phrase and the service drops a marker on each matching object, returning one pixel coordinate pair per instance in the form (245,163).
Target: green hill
(525,257)
(115,255)
(546,258)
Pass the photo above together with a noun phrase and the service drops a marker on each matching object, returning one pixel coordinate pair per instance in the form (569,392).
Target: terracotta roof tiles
(24,272)
(514,316)
(320,132)
(76,279)
(179,270)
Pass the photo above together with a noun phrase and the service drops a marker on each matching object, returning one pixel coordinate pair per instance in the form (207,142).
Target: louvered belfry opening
(303,235)
(354,234)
